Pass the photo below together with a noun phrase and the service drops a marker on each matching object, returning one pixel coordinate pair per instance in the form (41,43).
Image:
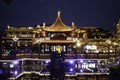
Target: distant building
(88,51)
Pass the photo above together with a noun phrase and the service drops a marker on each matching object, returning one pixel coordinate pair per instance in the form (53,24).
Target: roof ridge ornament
(58,25)
(73,25)
(59,13)
(118,24)
(43,24)
(38,26)
(8,27)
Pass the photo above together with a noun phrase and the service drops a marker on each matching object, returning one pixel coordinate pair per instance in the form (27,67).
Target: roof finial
(59,12)
(38,26)
(8,27)
(73,24)
(43,24)
(118,24)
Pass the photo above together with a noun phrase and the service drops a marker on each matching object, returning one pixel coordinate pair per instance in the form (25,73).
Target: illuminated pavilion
(88,51)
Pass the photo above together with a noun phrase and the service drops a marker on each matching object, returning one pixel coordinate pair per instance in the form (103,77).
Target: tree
(56,67)
(8,1)
(115,73)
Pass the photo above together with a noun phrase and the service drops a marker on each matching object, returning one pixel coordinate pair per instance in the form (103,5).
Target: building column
(41,65)
(22,65)
(98,64)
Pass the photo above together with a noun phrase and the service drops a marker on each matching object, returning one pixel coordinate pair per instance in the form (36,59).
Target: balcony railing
(33,55)
(67,55)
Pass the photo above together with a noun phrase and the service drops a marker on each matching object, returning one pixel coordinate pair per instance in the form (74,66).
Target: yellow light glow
(78,44)
(58,48)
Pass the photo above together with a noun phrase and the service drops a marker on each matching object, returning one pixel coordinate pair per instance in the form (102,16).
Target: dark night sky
(99,13)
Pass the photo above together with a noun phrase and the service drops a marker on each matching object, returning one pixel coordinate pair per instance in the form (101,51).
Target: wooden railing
(33,55)
(67,55)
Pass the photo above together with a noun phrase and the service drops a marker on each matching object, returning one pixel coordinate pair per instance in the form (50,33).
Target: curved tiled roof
(58,25)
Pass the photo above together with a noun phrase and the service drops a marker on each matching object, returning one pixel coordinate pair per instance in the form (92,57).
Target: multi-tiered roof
(58,26)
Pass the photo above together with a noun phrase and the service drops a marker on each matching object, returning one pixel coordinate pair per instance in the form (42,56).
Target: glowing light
(71,62)
(78,43)
(11,65)
(117,62)
(91,47)
(81,70)
(81,61)
(15,72)
(108,41)
(7,51)
(97,51)
(4,63)
(46,62)
(102,70)
(71,69)
(84,65)
(92,70)
(15,38)
(111,51)
(58,48)
(15,62)
(91,65)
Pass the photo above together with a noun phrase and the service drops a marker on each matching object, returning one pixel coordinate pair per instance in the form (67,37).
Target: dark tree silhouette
(115,73)
(56,66)
(8,2)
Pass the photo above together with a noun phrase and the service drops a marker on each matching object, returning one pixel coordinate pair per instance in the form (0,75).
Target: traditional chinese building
(88,51)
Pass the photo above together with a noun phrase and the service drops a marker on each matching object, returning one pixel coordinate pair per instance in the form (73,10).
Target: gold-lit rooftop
(58,25)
